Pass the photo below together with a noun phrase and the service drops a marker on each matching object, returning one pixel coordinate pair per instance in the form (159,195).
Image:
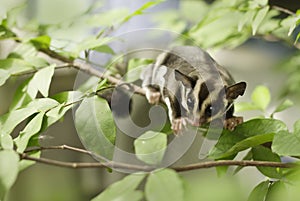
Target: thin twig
(131,167)
(244,163)
(74,165)
(111,164)
(284,10)
(29,72)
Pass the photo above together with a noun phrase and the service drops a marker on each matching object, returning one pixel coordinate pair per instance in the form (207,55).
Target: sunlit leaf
(68,97)
(123,190)
(286,143)
(41,82)
(109,17)
(91,43)
(283,106)
(262,2)
(6,142)
(248,16)
(261,153)
(261,14)
(41,42)
(104,49)
(247,143)
(245,106)
(21,96)
(32,128)
(8,170)
(248,134)
(95,126)
(261,97)
(10,120)
(164,185)
(278,191)
(141,10)
(6,33)
(23,51)
(259,192)
(15,66)
(150,147)
(297,38)
(4,75)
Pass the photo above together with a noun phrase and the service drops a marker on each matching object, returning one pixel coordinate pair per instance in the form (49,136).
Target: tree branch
(29,72)
(118,165)
(87,68)
(284,10)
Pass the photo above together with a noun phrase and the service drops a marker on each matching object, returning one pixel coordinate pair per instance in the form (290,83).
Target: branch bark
(146,168)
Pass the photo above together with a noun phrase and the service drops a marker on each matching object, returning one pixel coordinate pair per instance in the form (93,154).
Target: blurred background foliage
(257,39)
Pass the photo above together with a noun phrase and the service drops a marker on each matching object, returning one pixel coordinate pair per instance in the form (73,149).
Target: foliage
(34,108)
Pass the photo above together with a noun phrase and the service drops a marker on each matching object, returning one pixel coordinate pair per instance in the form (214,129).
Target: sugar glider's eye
(212,110)
(190,102)
(208,111)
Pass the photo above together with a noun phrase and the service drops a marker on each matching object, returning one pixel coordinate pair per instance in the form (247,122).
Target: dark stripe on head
(203,94)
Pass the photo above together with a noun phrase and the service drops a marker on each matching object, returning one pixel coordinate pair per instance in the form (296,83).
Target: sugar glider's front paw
(232,122)
(152,96)
(178,125)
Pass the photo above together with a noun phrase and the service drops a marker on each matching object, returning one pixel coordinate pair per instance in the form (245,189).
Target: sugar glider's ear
(235,90)
(184,79)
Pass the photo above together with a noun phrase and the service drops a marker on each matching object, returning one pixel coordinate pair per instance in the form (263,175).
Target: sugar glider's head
(205,100)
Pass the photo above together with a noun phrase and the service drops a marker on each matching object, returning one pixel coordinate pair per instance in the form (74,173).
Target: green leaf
(247,143)
(6,142)
(278,192)
(104,49)
(4,75)
(286,143)
(261,97)
(6,33)
(31,129)
(67,100)
(261,14)
(15,66)
(91,43)
(123,190)
(259,192)
(164,185)
(21,96)
(246,18)
(150,147)
(297,39)
(244,106)
(262,2)
(141,10)
(261,153)
(42,104)
(68,97)
(10,120)
(41,42)
(95,126)
(109,17)
(283,106)
(250,133)
(23,51)
(8,170)
(41,82)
